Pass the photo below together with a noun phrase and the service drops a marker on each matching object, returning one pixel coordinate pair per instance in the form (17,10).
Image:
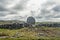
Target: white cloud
(42,10)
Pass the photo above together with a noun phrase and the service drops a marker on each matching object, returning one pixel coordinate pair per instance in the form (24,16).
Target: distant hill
(10,21)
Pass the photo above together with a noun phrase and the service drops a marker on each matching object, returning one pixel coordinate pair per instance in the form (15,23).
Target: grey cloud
(3,1)
(2,14)
(38,17)
(57,16)
(3,4)
(46,14)
(3,7)
(13,13)
(21,5)
(44,11)
(57,8)
(16,18)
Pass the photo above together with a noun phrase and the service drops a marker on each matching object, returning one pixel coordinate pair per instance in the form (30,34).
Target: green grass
(49,33)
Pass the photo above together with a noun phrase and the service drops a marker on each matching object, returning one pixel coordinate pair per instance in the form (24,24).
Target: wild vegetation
(44,33)
(31,33)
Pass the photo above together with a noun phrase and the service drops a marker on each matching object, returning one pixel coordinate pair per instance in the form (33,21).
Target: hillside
(31,33)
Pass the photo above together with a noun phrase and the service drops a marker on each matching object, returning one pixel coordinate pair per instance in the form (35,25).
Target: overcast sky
(41,10)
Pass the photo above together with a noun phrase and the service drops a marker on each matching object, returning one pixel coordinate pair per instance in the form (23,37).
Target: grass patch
(41,33)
